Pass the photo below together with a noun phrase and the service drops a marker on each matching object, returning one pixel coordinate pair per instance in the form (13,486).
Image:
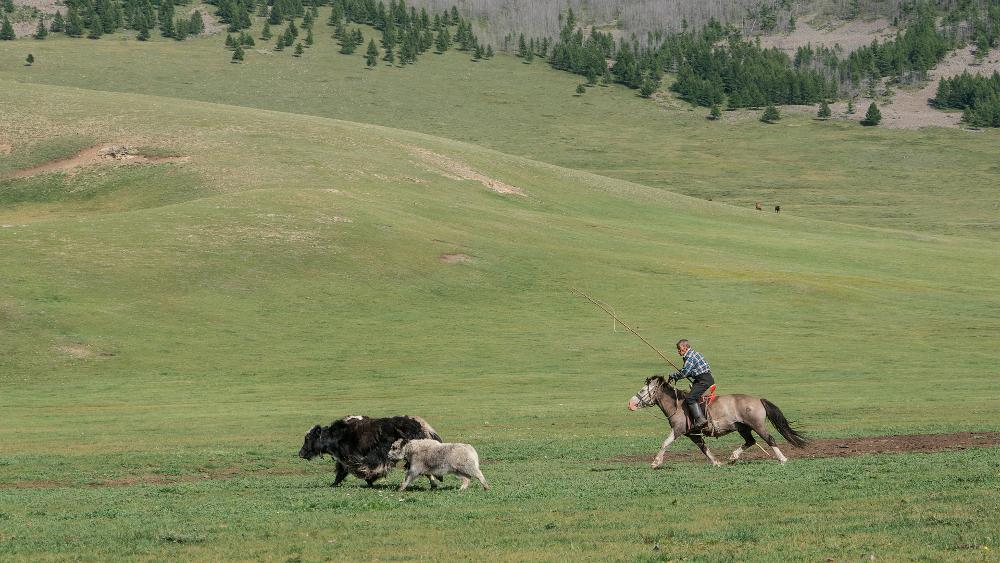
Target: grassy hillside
(932,181)
(165,350)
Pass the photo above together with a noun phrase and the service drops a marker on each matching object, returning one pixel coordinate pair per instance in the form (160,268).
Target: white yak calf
(432,458)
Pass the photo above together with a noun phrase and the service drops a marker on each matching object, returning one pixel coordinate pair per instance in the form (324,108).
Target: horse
(727,413)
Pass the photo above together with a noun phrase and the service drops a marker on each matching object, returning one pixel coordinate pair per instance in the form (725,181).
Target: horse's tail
(774,414)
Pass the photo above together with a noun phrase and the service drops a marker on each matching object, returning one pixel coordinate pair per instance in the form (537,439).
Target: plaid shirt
(694,365)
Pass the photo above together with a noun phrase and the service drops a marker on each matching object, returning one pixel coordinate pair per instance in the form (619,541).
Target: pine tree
(197,24)
(40,31)
(238,54)
(873,117)
(299,49)
(714,112)
(850,106)
(443,40)
(580,89)
(230,42)
(347,44)
(824,110)
(182,28)
(30,60)
(57,24)
(143,34)
(96,29)
(265,32)
(6,30)
(770,114)
(309,37)
(167,18)
(371,56)
(74,23)
(276,16)
(489,51)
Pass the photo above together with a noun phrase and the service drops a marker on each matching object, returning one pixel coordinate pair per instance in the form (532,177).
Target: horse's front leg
(704,449)
(659,457)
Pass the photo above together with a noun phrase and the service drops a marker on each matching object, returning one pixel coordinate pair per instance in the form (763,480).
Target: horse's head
(646,397)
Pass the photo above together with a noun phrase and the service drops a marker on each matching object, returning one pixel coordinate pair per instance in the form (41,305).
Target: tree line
(976,95)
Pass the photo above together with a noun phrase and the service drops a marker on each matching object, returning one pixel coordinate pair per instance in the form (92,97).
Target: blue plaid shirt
(694,365)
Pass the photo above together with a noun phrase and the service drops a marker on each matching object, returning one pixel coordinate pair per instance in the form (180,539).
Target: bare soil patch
(454,257)
(450,168)
(97,154)
(837,447)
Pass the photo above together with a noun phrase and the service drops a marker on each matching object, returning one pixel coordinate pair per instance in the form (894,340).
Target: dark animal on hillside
(360,445)
(758,207)
(727,413)
(777,208)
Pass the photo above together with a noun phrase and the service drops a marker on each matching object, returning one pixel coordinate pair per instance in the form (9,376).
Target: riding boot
(698,420)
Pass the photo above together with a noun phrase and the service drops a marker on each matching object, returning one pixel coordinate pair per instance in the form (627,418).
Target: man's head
(683,346)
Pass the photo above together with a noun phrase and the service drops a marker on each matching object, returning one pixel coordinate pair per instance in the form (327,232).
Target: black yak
(360,445)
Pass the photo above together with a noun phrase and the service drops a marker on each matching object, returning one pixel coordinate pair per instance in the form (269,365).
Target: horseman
(696,369)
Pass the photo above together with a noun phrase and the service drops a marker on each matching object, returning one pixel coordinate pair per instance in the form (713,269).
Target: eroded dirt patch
(454,257)
(450,168)
(835,447)
(97,154)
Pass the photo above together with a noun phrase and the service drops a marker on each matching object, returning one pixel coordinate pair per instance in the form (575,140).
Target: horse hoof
(654,466)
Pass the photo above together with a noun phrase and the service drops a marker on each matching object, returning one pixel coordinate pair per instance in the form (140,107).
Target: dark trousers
(700,384)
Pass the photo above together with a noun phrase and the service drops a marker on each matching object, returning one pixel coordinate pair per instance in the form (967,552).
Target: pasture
(171,330)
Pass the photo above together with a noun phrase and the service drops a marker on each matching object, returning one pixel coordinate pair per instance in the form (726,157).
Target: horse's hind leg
(763,433)
(697,439)
(748,439)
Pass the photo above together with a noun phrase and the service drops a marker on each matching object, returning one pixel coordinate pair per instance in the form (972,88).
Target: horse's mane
(667,388)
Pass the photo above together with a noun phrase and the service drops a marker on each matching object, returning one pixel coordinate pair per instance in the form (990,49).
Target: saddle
(707,398)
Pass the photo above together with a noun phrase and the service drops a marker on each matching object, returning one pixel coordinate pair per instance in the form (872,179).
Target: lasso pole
(624,325)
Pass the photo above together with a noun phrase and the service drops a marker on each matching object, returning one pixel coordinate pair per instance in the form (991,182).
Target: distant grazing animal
(777,208)
(427,457)
(360,445)
(758,207)
(727,413)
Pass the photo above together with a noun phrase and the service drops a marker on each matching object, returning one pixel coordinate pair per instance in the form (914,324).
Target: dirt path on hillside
(835,447)
(97,154)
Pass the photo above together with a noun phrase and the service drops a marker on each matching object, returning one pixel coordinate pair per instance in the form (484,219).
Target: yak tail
(774,414)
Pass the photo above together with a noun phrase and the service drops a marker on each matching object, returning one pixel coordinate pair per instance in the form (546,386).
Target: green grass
(170,331)
(832,170)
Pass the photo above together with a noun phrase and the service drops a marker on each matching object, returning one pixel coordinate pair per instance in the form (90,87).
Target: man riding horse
(696,369)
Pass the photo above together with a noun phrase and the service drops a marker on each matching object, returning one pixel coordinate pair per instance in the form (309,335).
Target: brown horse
(727,413)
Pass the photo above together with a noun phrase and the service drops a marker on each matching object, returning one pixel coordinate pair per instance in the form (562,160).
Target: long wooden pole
(624,325)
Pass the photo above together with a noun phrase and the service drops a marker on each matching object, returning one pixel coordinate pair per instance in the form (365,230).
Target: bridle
(646,400)
(645,396)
